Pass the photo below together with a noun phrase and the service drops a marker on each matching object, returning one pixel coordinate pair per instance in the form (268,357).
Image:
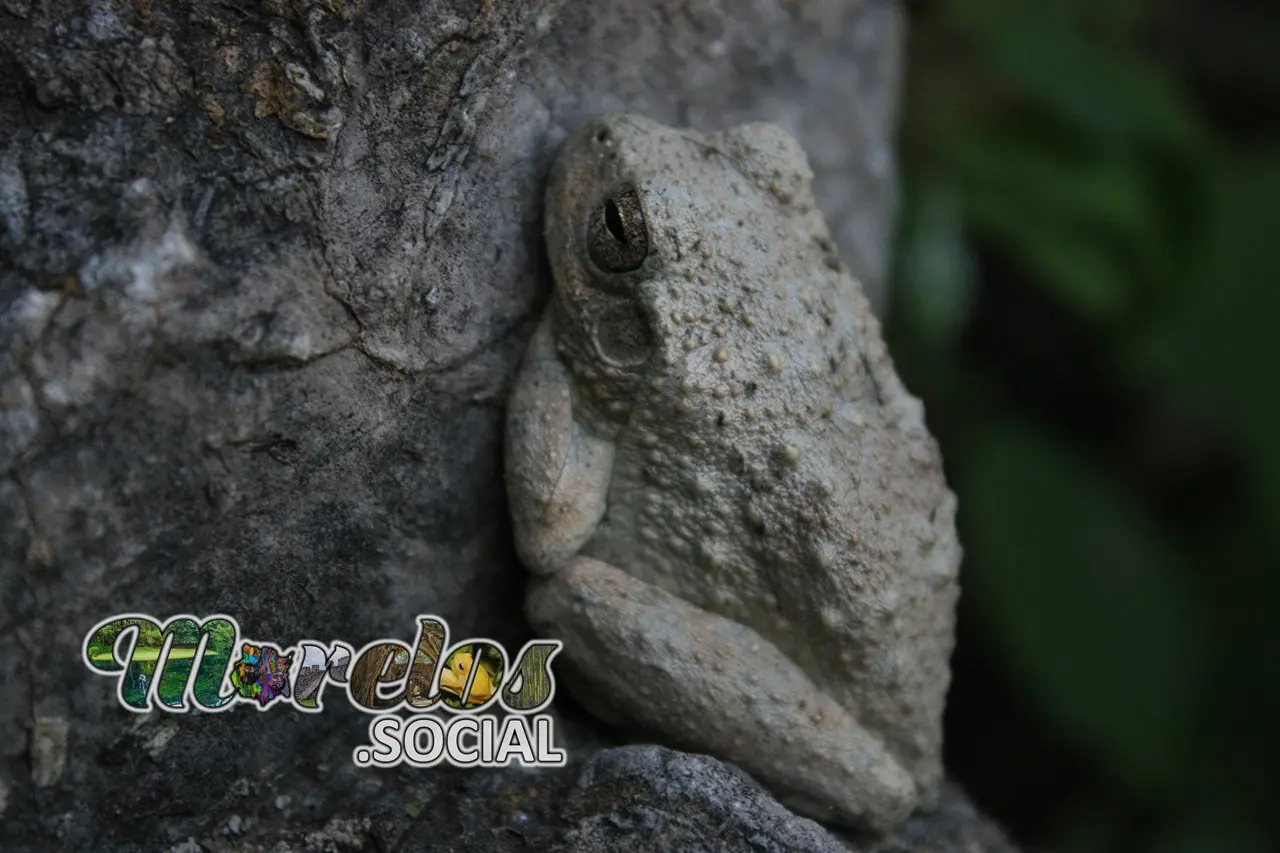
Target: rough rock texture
(635,798)
(649,798)
(266,269)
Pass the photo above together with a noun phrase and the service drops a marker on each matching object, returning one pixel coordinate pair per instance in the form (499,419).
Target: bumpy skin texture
(737,519)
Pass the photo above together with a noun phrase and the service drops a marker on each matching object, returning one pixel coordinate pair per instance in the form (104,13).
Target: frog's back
(785,479)
(854,526)
(865,562)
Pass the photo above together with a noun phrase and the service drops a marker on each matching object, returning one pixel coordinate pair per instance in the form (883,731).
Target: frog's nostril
(602,135)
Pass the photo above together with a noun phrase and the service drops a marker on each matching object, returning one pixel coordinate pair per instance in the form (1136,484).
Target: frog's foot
(557,473)
(711,683)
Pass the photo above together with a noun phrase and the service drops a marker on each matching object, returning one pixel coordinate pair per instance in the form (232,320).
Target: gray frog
(736,517)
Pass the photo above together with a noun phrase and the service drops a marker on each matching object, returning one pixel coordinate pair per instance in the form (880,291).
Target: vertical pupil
(613,221)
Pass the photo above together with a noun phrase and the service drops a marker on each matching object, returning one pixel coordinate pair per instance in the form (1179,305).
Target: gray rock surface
(266,269)
(634,798)
(649,798)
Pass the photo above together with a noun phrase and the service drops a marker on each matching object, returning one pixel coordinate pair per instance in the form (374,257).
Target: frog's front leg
(716,685)
(557,473)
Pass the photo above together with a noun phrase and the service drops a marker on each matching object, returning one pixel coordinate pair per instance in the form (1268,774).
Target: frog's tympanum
(736,518)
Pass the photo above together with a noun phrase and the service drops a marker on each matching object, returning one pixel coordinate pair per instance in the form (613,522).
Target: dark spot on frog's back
(870,375)
(829,254)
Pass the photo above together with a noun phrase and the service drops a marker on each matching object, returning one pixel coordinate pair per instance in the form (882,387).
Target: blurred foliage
(1087,275)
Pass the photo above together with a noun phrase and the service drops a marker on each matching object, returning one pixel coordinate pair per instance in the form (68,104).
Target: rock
(627,798)
(266,270)
(651,798)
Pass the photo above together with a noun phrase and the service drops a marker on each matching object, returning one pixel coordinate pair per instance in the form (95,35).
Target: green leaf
(935,280)
(1108,193)
(1217,352)
(1085,599)
(1109,92)
(1073,266)
(1076,221)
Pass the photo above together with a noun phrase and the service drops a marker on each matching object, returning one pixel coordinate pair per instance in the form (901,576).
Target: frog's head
(608,201)
(656,237)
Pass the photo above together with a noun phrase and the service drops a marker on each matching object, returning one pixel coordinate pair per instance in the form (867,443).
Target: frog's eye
(617,236)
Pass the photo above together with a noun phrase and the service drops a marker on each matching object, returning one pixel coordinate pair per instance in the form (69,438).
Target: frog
(731,510)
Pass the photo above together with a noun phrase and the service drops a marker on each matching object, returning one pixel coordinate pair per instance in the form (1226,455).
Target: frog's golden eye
(617,235)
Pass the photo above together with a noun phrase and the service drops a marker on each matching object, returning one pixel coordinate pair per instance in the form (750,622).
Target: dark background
(1087,295)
